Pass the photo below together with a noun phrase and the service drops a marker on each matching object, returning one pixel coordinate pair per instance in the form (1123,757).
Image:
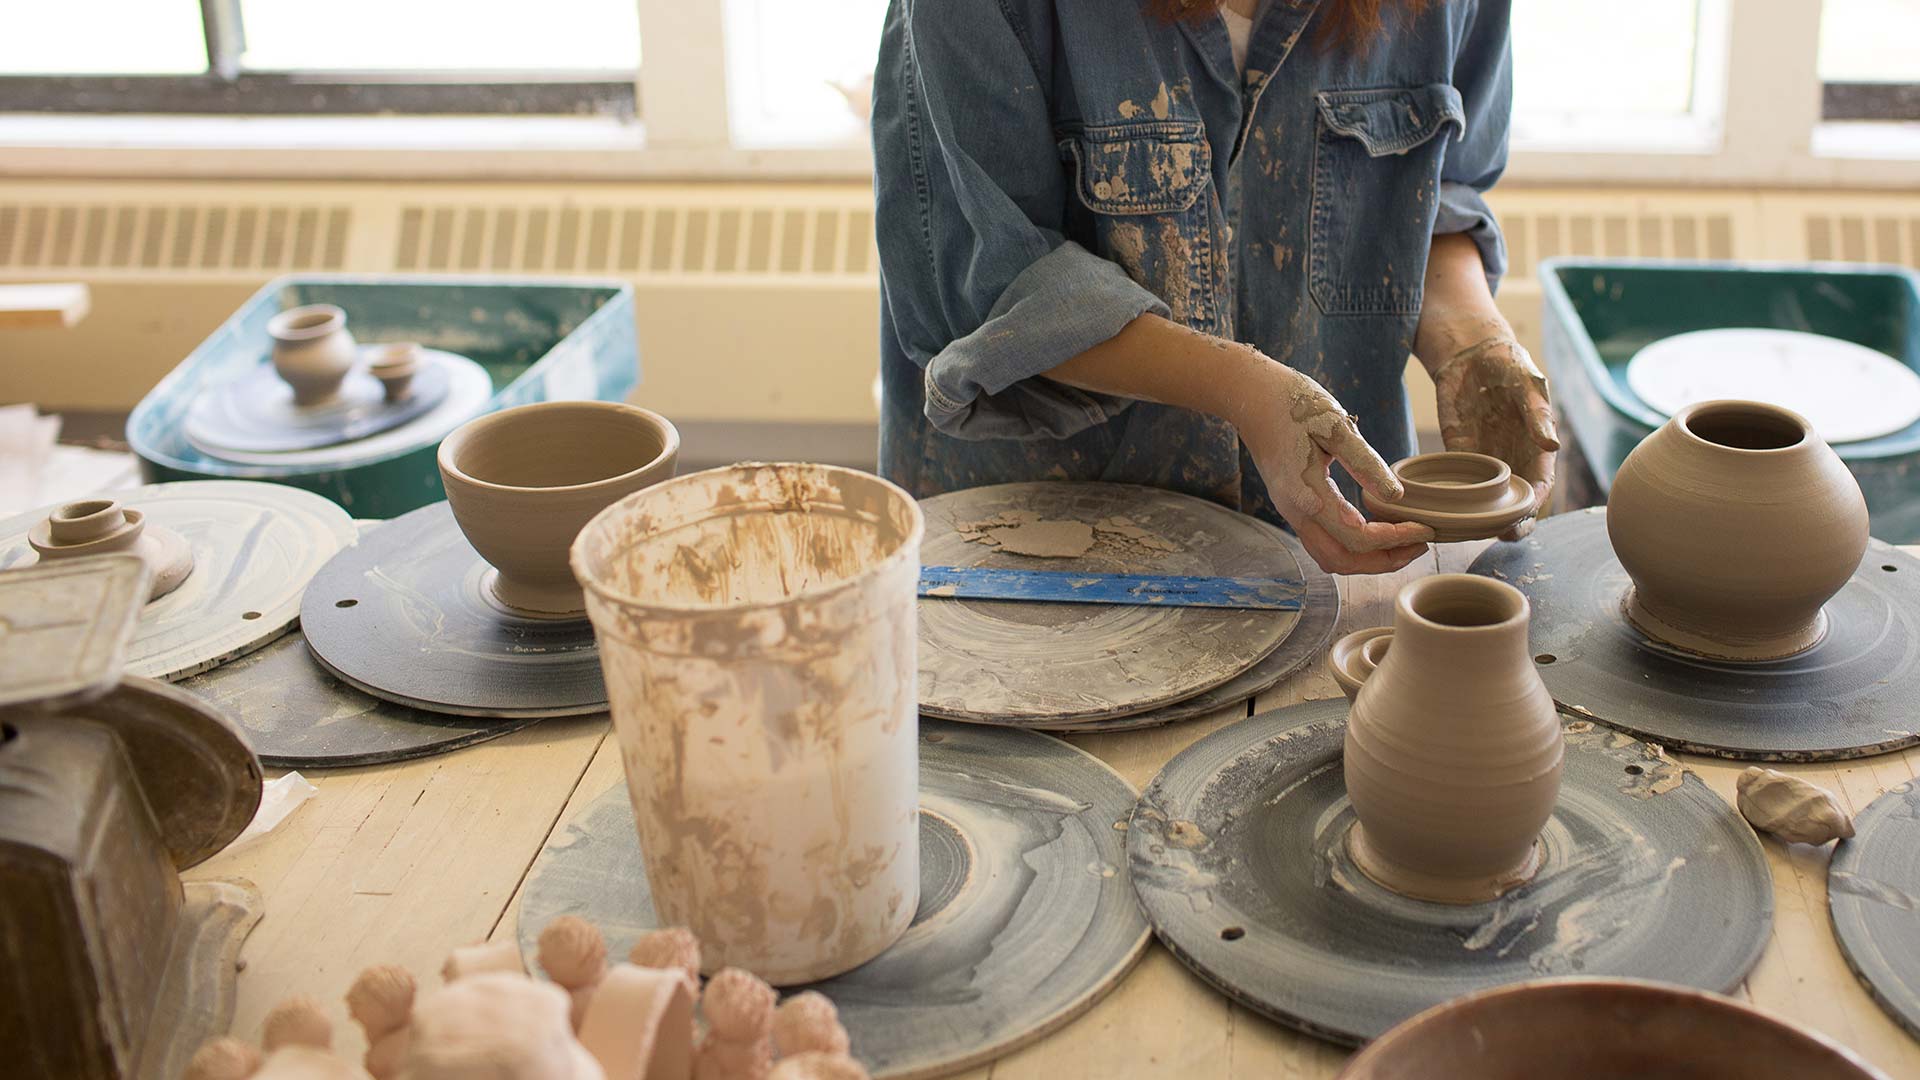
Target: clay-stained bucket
(756,628)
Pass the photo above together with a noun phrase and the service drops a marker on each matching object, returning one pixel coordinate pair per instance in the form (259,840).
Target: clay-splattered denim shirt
(1047,170)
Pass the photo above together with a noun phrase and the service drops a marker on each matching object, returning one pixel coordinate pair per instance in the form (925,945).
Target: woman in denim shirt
(1114,248)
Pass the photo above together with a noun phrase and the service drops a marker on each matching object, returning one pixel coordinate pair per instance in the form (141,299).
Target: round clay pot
(1352,658)
(395,365)
(1453,749)
(524,481)
(1600,1028)
(1459,495)
(104,527)
(1736,523)
(313,352)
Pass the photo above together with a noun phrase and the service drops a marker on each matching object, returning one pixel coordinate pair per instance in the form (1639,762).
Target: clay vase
(1736,524)
(104,527)
(1453,751)
(313,352)
(524,481)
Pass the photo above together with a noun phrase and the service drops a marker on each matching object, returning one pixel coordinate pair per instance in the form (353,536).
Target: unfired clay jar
(1595,1028)
(104,527)
(1459,495)
(313,352)
(395,366)
(756,626)
(1736,524)
(523,481)
(1453,750)
(1352,658)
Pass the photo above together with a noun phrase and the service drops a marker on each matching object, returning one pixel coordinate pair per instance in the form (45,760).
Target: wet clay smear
(1021,532)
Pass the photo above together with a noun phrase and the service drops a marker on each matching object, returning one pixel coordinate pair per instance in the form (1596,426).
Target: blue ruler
(1068,587)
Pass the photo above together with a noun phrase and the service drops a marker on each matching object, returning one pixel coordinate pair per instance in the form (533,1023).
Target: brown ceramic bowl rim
(1412,592)
(1414,1027)
(1501,472)
(907,550)
(458,437)
(281,327)
(1683,421)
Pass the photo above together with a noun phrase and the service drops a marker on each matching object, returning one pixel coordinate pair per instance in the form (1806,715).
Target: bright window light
(440,35)
(148,37)
(1870,41)
(1628,57)
(801,73)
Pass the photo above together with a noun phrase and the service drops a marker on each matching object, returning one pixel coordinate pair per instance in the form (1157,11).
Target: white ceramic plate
(1848,392)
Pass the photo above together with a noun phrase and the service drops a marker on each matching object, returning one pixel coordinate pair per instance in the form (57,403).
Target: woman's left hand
(1493,400)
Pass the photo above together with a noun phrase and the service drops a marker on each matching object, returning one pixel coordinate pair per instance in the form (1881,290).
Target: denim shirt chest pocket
(1147,189)
(1376,177)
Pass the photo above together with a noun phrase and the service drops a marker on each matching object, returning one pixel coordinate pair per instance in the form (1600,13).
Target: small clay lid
(1352,658)
(1459,495)
(64,628)
(1601,1027)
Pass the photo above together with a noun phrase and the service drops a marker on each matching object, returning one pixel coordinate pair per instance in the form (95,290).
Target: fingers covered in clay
(1493,399)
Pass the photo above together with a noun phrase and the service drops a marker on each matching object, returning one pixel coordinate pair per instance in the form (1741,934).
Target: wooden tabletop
(401,863)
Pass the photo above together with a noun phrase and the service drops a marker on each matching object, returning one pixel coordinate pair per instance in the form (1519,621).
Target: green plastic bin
(1599,313)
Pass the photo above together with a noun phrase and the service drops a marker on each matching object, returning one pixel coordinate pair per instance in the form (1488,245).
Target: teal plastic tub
(1599,313)
(540,340)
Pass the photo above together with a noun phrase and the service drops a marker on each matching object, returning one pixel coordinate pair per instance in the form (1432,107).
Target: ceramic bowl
(1598,1028)
(523,482)
(1459,495)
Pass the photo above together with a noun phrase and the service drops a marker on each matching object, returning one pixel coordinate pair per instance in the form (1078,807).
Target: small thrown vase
(523,482)
(1736,524)
(313,352)
(1453,750)
(395,366)
(104,527)
(1458,494)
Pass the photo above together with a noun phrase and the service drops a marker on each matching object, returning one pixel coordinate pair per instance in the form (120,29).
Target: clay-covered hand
(1493,400)
(1295,430)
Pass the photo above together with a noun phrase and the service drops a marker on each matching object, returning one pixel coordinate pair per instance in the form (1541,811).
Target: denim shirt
(1048,170)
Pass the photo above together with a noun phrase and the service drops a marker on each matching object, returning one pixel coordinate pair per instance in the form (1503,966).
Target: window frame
(1753,124)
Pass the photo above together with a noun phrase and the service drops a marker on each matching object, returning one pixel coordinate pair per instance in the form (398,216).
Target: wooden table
(402,863)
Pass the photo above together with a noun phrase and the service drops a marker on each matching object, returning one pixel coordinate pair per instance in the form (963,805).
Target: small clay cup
(1353,657)
(1601,1028)
(1458,494)
(395,365)
(1453,749)
(313,352)
(1736,524)
(523,482)
(104,527)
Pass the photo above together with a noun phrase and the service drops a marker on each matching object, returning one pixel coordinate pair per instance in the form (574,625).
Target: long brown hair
(1345,24)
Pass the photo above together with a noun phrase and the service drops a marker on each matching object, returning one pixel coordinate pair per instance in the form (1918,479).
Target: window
(1870,59)
(801,73)
(1571,87)
(345,56)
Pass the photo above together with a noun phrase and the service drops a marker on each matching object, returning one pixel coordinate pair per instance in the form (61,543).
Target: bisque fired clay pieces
(1453,750)
(313,352)
(1736,523)
(1790,808)
(104,527)
(1459,495)
(522,482)
(1352,658)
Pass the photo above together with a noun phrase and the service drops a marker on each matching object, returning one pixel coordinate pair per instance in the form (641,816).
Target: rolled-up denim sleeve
(983,289)
(1483,73)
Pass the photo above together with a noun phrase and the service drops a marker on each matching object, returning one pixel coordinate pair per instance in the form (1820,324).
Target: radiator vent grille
(1878,238)
(268,237)
(639,241)
(1532,237)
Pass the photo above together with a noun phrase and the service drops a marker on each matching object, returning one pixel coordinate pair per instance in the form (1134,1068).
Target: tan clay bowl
(1353,657)
(1601,1028)
(523,482)
(1459,495)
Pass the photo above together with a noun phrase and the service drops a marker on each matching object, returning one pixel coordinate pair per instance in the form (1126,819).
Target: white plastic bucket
(757,629)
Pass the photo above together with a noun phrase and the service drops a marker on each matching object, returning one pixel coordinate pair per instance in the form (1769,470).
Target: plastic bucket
(757,629)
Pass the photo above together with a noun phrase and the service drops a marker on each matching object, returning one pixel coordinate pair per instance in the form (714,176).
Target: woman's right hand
(1295,430)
